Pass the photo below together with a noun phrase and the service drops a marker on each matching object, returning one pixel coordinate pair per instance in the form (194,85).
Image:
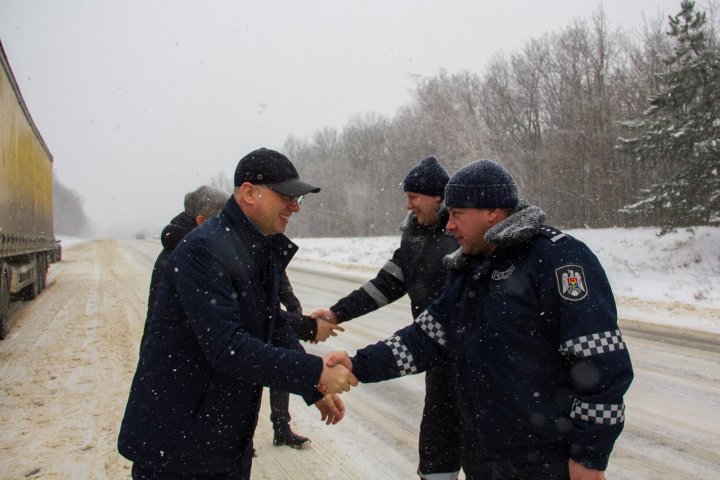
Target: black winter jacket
(171,235)
(215,338)
(175,231)
(416,268)
(541,366)
(304,326)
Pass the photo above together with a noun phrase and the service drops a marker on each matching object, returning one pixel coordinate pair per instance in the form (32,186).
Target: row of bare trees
(550,112)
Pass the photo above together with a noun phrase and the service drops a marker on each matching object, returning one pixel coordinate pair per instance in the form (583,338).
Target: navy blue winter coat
(541,366)
(215,338)
(172,234)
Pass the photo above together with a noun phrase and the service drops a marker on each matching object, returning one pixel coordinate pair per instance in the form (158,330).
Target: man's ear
(199,219)
(494,215)
(246,193)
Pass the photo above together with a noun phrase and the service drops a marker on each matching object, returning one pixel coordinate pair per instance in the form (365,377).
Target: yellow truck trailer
(27,241)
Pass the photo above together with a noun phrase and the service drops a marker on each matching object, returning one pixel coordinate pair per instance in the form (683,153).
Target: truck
(27,240)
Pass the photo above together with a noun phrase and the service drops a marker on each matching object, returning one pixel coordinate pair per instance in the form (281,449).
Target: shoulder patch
(551,233)
(571,282)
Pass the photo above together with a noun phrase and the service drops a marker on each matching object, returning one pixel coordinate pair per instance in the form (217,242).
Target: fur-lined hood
(523,224)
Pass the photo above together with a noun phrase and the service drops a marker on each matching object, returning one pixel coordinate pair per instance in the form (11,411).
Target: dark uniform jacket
(214,339)
(416,268)
(541,366)
(304,326)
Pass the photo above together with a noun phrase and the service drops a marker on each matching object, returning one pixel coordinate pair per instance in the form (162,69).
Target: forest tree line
(566,114)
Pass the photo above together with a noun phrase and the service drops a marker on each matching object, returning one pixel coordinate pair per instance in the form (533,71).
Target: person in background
(308,329)
(416,269)
(217,335)
(200,205)
(529,320)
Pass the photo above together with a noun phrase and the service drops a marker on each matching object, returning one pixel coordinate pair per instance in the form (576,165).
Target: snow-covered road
(68,360)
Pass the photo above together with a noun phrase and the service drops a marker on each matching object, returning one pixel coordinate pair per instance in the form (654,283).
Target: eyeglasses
(287,198)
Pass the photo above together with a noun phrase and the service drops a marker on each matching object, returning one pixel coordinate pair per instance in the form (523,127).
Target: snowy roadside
(669,280)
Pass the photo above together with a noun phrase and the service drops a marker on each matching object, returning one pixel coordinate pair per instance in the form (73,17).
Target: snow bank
(679,267)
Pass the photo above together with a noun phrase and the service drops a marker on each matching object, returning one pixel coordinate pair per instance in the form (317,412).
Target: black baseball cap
(268,167)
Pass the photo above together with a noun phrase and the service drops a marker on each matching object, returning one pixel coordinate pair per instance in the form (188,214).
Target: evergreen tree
(678,135)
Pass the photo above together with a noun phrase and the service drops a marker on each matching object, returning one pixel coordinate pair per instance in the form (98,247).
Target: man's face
(468,226)
(425,207)
(273,210)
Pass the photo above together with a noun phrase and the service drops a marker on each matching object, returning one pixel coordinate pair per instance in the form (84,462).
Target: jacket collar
(279,243)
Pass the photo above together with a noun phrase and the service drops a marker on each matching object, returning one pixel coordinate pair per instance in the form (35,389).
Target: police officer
(416,269)
(529,321)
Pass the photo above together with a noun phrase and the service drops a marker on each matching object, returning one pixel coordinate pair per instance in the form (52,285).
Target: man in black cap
(416,268)
(217,335)
(529,320)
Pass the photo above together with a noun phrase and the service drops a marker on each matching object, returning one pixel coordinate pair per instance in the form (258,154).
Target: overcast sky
(142,101)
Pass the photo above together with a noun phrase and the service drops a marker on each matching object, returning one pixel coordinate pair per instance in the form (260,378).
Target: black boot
(285,436)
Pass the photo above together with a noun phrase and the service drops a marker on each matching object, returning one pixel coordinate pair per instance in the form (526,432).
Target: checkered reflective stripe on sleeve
(431,327)
(593,344)
(601,413)
(403,357)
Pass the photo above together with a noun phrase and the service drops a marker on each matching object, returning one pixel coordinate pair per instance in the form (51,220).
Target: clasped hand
(326,324)
(336,376)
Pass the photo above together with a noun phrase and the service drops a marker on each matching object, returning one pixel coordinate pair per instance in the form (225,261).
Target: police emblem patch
(571,282)
(497,275)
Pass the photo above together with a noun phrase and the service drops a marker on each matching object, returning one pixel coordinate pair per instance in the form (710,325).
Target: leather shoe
(287,437)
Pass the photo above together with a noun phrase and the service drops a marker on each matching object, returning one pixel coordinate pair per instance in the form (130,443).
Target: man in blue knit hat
(528,319)
(416,269)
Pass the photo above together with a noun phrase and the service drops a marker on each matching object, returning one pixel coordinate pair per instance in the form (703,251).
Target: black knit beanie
(427,178)
(481,184)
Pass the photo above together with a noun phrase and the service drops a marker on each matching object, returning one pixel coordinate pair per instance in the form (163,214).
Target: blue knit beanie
(481,184)
(427,178)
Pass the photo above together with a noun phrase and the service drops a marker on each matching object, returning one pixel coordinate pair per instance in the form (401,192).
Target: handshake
(336,377)
(327,324)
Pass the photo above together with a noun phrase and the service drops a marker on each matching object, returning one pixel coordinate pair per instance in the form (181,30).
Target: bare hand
(336,357)
(324,314)
(579,471)
(331,408)
(326,329)
(337,378)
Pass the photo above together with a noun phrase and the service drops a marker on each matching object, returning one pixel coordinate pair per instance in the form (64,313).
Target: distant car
(140,236)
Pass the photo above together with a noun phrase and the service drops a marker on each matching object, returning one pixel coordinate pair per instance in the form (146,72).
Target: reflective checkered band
(594,344)
(375,294)
(432,328)
(601,413)
(403,357)
(394,270)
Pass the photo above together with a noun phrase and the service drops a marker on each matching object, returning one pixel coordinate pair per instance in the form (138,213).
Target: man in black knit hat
(528,319)
(416,269)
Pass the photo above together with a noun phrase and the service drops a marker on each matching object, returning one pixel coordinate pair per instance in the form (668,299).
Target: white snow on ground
(682,267)
(67,241)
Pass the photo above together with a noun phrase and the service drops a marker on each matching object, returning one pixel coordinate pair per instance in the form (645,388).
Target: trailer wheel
(4,299)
